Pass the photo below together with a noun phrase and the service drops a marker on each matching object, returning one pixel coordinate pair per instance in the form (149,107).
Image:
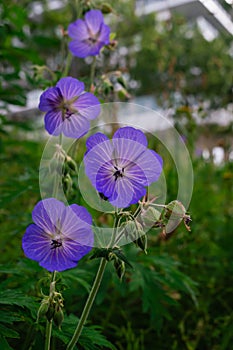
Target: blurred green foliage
(176,297)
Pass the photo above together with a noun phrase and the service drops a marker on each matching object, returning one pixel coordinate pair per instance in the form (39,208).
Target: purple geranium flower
(60,235)
(68,108)
(121,169)
(89,35)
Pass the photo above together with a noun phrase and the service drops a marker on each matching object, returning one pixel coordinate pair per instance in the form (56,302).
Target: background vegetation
(179,296)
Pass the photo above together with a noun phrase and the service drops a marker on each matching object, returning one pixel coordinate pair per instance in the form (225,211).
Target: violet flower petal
(76,126)
(78,29)
(88,105)
(94,19)
(50,99)
(80,48)
(70,87)
(131,133)
(53,122)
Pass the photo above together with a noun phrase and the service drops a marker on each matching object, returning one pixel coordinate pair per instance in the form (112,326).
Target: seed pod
(58,316)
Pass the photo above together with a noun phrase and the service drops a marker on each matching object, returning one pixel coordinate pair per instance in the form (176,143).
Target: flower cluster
(120,169)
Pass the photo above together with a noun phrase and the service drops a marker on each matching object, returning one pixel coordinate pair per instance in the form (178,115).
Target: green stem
(115,229)
(49,324)
(67,66)
(89,304)
(57,176)
(92,75)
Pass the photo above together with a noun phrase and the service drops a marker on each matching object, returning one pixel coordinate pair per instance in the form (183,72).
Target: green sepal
(119,267)
(100,253)
(121,256)
(110,254)
(141,242)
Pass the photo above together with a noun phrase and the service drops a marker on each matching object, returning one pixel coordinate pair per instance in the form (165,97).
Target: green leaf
(90,339)
(6,317)
(8,332)
(12,297)
(4,344)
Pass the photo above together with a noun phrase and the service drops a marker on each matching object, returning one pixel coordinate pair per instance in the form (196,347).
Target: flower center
(118,173)
(67,108)
(92,40)
(56,243)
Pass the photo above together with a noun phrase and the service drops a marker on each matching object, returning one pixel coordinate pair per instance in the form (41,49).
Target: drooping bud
(150,217)
(175,212)
(176,209)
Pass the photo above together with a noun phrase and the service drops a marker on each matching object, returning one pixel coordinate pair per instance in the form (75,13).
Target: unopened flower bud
(42,309)
(71,164)
(141,242)
(67,183)
(58,316)
(123,94)
(106,8)
(175,212)
(121,81)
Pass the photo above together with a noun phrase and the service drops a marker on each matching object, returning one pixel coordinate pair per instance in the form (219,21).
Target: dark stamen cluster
(118,173)
(56,243)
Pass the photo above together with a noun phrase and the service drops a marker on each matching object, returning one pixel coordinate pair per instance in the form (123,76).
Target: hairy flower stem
(49,324)
(89,303)
(56,178)
(92,74)
(94,290)
(68,64)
